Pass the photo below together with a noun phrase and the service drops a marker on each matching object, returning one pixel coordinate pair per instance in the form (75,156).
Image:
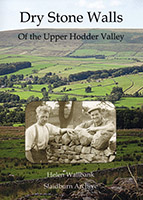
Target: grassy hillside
(129,83)
(13,159)
(126,50)
(130,102)
(64,66)
(10,44)
(57,57)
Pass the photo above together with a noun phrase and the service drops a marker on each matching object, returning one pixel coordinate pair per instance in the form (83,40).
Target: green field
(129,83)
(117,50)
(23,93)
(130,102)
(105,86)
(64,66)
(13,159)
(92,52)
(60,59)
(27,94)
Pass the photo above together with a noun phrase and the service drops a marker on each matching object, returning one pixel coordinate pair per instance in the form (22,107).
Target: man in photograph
(37,136)
(98,129)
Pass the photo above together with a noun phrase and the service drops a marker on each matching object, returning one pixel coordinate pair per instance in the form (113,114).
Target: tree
(30,99)
(29,82)
(88,89)
(10,84)
(135,71)
(45,95)
(73,99)
(64,89)
(117,90)
(64,121)
(136,94)
(35,79)
(116,94)
(43,89)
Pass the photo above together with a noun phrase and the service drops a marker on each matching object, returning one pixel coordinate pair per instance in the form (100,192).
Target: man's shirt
(42,133)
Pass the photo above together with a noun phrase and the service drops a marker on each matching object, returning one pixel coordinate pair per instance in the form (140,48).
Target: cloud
(82,3)
(98,4)
(115,3)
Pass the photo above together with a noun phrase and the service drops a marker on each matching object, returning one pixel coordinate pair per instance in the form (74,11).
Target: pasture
(130,102)
(117,50)
(13,161)
(129,83)
(64,66)
(61,58)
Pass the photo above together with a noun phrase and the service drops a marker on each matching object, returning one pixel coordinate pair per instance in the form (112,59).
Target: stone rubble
(89,189)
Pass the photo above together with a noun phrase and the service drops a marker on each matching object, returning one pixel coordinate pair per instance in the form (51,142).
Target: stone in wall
(100,139)
(86,150)
(77,147)
(84,137)
(66,139)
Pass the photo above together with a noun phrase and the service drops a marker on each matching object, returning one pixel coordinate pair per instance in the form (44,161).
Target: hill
(10,44)
(53,51)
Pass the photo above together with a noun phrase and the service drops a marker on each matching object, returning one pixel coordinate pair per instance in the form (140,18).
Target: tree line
(9,81)
(105,73)
(6,68)
(126,118)
(129,118)
(7,97)
(57,81)
(9,117)
(88,56)
(49,79)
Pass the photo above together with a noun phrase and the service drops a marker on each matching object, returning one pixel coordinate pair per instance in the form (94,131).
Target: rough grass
(13,159)
(130,49)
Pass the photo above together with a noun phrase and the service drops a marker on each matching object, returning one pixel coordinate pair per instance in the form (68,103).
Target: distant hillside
(130,36)
(10,44)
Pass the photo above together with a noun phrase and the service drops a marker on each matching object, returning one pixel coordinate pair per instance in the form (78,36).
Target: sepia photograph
(71,100)
(70,132)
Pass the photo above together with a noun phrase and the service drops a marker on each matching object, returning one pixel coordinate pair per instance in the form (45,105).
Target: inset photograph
(70,132)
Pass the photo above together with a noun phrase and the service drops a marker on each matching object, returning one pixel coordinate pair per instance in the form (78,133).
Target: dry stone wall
(77,148)
(98,176)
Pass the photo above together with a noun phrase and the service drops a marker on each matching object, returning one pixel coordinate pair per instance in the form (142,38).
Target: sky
(10,16)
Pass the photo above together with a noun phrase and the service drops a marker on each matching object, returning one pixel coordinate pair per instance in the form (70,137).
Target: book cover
(71,99)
